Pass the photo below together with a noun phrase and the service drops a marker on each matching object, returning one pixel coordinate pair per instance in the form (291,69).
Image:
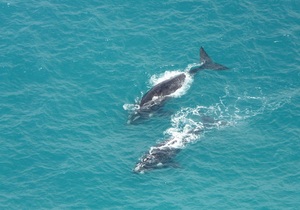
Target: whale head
(149,162)
(156,158)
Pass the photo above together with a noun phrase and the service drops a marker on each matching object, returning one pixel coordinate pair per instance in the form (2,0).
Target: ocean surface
(71,72)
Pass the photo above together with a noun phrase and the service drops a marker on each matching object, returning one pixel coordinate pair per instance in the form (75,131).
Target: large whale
(163,154)
(159,93)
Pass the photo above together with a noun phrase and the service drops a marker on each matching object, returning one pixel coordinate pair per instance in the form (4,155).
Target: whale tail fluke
(207,63)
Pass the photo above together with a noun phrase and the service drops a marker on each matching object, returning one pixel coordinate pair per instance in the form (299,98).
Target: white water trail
(189,124)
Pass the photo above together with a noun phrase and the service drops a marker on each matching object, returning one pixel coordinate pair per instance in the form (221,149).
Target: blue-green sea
(72,71)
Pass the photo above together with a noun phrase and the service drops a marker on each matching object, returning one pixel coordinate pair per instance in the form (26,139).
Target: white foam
(188,124)
(184,129)
(155,79)
(131,107)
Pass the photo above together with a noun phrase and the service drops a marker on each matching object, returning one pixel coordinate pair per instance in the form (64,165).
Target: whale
(158,157)
(153,99)
(163,155)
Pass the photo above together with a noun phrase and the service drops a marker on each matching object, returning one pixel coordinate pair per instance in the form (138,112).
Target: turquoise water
(71,70)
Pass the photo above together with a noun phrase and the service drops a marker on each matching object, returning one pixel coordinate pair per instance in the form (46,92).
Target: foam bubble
(131,107)
(188,124)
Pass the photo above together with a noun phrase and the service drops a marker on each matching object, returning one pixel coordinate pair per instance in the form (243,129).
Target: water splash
(188,124)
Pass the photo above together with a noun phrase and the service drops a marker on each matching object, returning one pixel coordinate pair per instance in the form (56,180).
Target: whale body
(161,92)
(160,156)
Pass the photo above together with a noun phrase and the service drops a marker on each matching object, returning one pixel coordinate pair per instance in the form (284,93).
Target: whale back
(164,88)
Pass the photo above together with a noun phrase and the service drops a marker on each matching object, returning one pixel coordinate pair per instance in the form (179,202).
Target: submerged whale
(159,93)
(163,154)
(159,156)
